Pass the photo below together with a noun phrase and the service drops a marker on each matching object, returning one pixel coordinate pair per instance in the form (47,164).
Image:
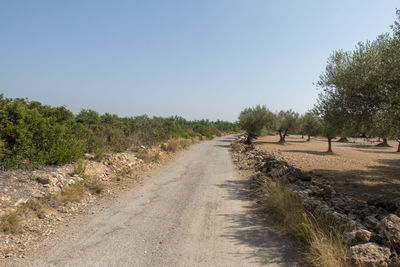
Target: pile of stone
(122,163)
(371,229)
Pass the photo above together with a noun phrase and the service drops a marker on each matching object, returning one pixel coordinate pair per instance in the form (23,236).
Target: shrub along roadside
(33,134)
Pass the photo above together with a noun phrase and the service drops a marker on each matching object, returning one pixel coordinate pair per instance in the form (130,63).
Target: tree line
(258,119)
(33,134)
(360,96)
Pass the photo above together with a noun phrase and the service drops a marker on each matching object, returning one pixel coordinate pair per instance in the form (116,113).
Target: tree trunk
(309,138)
(281,137)
(302,136)
(398,148)
(329,144)
(248,140)
(384,143)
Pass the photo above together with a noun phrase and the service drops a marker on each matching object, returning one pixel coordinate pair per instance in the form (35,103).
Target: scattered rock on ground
(391,229)
(357,237)
(369,255)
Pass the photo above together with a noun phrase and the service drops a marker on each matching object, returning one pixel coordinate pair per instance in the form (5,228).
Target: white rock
(357,237)
(369,255)
(391,229)
(20,202)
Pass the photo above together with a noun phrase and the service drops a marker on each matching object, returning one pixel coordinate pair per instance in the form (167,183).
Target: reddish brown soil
(359,168)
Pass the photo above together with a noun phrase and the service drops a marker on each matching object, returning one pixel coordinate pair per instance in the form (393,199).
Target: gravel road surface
(194,212)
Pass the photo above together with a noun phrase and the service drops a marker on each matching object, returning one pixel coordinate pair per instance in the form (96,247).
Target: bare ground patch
(33,203)
(359,168)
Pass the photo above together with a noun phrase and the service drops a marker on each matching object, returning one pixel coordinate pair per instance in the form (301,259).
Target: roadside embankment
(335,230)
(34,202)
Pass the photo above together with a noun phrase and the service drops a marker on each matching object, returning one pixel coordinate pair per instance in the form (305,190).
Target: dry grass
(72,193)
(172,145)
(185,143)
(80,168)
(148,157)
(244,163)
(234,146)
(98,155)
(12,223)
(321,239)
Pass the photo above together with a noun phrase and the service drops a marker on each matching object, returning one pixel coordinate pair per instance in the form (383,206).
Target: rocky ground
(371,228)
(34,201)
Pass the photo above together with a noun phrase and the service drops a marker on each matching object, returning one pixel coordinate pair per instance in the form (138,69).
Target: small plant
(80,168)
(98,154)
(49,200)
(144,155)
(156,157)
(72,193)
(11,223)
(184,143)
(147,157)
(234,146)
(172,145)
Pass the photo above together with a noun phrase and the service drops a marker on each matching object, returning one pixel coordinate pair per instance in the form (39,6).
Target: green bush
(34,134)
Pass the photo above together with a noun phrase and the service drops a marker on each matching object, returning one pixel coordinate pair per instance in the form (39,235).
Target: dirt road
(195,212)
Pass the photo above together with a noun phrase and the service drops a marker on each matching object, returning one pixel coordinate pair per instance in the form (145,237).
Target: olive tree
(355,88)
(332,113)
(310,124)
(253,120)
(286,121)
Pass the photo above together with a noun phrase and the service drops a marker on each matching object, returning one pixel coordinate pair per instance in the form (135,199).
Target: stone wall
(371,229)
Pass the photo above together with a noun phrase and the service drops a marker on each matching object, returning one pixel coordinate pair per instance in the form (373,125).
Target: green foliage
(88,116)
(286,121)
(80,168)
(361,88)
(32,133)
(310,124)
(253,120)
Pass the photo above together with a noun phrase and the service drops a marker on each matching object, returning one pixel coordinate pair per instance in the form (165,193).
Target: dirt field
(359,168)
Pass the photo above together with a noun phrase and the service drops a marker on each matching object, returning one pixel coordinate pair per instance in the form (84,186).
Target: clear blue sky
(197,59)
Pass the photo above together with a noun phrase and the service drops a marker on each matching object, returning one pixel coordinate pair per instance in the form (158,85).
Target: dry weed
(172,145)
(185,143)
(80,168)
(72,193)
(323,242)
(11,223)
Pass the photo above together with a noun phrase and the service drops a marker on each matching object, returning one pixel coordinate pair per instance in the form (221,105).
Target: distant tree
(253,120)
(107,118)
(310,124)
(88,116)
(286,121)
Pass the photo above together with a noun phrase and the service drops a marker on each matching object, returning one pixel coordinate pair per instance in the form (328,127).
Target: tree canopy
(253,120)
